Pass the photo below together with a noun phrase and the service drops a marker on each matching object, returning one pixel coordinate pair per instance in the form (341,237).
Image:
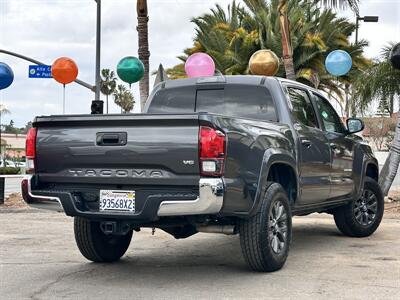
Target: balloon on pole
(64,70)
(6,76)
(264,62)
(199,65)
(338,62)
(130,69)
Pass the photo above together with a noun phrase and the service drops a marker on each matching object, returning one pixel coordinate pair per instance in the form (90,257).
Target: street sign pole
(78,81)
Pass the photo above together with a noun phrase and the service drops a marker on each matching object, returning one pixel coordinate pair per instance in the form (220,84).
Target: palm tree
(108,83)
(144,54)
(123,97)
(232,36)
(3,110)
(383,84)
(287,50)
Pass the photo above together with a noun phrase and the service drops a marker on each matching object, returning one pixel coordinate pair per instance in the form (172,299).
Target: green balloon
(130,69)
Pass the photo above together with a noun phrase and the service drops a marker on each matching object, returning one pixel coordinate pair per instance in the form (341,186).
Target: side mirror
(354,125)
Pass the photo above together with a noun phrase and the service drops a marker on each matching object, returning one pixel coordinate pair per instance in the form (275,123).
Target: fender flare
(367,160)
(271,157)
(363,156)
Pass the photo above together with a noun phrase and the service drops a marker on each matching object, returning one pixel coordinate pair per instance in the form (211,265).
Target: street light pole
(357,19)
(368,19)
(98,45)
(97,104)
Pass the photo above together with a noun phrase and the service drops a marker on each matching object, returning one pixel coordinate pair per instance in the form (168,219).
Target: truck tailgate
(141,149)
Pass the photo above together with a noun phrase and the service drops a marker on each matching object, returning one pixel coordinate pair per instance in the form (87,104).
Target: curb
(13,176)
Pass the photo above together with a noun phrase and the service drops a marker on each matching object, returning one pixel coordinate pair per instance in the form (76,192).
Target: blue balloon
(6,76)
(338,63)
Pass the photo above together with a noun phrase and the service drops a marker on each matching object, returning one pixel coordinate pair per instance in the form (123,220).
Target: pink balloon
(199,65)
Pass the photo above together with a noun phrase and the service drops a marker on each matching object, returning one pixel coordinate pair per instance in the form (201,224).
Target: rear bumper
(209,201)
(37,201)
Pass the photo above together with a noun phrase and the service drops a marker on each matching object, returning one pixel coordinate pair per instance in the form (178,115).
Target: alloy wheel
(278,227)
(365,208)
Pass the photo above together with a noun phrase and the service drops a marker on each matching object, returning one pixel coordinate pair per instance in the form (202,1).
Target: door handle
(306,143)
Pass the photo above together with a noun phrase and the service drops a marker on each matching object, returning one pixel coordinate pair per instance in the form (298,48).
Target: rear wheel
(265,237)
(97,246)
(361,217)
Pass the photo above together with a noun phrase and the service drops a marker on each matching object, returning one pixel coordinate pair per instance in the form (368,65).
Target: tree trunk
(392,162)
(107,103)
(391,105)
(287,51)
(143,50)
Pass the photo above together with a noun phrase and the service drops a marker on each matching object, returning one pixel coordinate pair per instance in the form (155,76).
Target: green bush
(9,171)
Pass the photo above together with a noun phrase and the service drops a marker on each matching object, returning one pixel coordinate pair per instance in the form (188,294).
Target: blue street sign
(40,71)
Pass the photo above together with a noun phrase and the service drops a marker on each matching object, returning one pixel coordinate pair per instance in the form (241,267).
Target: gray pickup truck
(225,154)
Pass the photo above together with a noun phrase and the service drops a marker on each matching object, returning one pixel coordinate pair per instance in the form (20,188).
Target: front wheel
(361,217)
(97,246)
(265,237)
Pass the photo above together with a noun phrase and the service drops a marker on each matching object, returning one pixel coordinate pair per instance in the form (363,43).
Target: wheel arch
(278,166)
(284,174)
(364,164)
(372,171)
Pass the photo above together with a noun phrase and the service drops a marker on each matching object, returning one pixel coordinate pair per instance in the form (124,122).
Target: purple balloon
(199,65)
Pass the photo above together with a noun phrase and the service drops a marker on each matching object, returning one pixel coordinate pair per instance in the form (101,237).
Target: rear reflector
(211,151)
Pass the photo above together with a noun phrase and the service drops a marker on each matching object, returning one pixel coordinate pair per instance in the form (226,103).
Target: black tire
(260,234)
(97,246)
(361,217)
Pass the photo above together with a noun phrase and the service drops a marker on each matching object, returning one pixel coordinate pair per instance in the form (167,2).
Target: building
(12,145)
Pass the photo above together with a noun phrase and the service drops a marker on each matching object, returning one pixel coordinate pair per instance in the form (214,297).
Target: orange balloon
(64,70)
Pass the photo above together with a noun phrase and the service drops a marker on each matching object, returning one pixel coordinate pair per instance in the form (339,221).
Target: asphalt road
(39,260)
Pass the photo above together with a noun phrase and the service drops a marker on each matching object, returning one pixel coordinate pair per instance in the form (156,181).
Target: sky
(48,29)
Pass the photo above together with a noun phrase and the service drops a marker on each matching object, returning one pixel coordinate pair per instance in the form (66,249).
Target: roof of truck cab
(228,79)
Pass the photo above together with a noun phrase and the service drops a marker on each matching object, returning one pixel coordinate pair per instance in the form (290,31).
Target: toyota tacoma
(224,154)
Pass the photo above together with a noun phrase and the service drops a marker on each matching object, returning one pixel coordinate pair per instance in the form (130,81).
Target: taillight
(30,150)
(211,151)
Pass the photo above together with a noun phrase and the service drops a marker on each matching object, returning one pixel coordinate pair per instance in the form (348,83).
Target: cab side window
(329,117)
(302,110)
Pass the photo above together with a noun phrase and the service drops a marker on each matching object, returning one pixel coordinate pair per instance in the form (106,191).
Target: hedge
(9,171)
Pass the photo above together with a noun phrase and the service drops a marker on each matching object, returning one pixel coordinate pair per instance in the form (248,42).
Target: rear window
(253,102)
(173,100)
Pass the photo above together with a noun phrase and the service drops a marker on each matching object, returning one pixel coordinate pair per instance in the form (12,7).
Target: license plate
(117,200)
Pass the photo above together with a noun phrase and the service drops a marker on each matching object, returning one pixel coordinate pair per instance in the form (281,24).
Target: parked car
(7,163)
(20,164)
(234,155)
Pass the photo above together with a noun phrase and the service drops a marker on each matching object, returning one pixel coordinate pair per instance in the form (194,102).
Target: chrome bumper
(36,201)
(210,200)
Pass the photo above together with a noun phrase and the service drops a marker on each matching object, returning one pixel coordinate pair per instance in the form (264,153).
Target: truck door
(313,149)
(341,148)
